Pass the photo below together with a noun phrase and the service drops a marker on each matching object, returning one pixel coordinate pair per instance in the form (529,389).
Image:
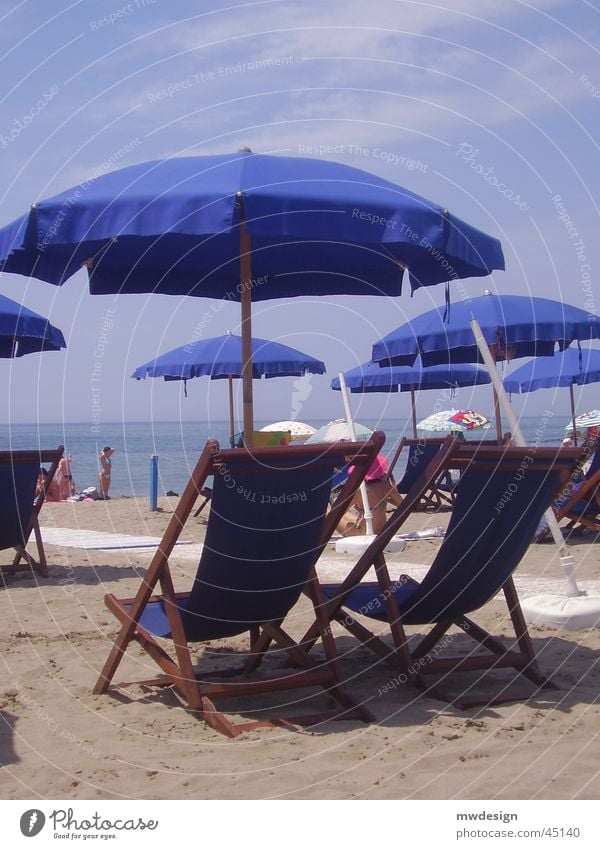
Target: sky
(450,99)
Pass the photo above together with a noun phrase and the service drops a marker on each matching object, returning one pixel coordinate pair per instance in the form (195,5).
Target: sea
(178,444)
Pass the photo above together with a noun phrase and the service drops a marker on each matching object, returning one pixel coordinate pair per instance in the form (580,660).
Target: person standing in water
(105,471)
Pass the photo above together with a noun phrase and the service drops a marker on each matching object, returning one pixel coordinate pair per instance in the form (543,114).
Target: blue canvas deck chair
(500,498)
(20,506)
(267,527)
(420,454)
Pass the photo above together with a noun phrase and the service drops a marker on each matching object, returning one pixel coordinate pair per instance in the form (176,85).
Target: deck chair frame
(195,689)
(38,457)
(434,497)
(586,492)
(414,663)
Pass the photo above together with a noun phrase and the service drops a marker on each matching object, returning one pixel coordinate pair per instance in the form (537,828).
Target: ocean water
(178,444)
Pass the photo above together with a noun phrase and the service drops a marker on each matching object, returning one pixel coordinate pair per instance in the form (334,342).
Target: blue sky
(447,99)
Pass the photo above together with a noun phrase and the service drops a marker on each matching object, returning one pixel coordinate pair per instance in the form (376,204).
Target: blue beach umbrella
(573,367)
(513,326)
(221,358)
(370,377)
(23,331)
(245,227)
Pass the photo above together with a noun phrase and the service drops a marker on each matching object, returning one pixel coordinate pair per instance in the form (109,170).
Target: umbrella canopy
(370,377)
(585,420)
(23,331)
(449,420)
(298,430)
(339,430)
(513,326)
(241,227)
(172,226)
(566,368)
(221,357)
(573,367)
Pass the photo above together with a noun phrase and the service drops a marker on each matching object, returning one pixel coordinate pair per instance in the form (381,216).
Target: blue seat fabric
(419,457)
(489,531)
(17,493)
(260,545)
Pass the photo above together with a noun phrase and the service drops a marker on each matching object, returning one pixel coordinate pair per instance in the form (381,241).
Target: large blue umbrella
(23,331)
(242,226)
(371,377)
(572,367)
(513,326)
(221,358)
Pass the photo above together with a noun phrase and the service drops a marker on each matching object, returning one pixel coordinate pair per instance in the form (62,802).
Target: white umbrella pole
(413,406)
(363,486)
(565,558)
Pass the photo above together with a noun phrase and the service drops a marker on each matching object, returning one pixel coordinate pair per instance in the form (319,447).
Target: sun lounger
(420,453)
(267,527)
(20,506)
(579,499)
(500,498)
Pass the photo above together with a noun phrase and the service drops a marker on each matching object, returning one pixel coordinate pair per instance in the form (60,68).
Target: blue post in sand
(154,482)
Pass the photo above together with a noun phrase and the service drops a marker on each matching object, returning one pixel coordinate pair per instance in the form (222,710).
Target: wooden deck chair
(267,526)
(579,499)
(500,498)
(20,506)
(421,452)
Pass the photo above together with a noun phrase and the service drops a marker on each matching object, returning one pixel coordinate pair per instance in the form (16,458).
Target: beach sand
(59,741)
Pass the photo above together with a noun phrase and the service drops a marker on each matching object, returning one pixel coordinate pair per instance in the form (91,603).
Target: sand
(59,741)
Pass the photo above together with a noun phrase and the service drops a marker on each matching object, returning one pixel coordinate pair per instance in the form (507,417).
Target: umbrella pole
(497,413)
(565,558)
(573,413)
(231,416)
(413,405)
(246,304)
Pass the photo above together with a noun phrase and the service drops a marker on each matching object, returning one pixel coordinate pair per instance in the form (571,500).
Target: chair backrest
(264,533)
(500,499)
(420,454)
(595,463)
(19,472)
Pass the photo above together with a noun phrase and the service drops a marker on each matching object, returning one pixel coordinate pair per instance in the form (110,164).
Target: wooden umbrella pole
(413,405)
(573,413)
(231,413)
(246,303)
